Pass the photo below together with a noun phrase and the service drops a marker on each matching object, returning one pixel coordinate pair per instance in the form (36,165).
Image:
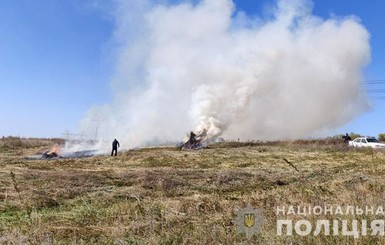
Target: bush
(354,135)
(381,137)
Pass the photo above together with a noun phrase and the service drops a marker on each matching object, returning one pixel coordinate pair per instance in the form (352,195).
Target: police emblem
(249,221)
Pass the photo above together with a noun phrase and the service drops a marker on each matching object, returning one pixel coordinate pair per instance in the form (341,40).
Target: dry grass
(16,146)
(168,196)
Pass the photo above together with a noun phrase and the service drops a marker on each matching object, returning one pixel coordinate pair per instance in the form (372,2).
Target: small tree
(354,135)
(381,137)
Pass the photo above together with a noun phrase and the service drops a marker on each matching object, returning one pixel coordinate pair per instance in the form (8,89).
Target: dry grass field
(169,196)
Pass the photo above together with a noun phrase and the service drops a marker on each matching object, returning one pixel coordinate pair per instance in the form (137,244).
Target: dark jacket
(115,144)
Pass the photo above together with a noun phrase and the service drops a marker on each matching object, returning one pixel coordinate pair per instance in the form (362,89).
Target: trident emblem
(249,221)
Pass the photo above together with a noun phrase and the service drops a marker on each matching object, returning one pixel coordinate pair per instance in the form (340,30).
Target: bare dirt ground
(168,196)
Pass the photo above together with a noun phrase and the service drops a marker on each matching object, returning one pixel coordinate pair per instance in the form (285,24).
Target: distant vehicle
(367,142)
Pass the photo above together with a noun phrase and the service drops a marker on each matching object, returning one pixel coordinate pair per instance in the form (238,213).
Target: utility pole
(66,135)
(98,121)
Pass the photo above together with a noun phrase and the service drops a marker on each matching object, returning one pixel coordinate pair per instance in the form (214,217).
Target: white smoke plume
(193,66)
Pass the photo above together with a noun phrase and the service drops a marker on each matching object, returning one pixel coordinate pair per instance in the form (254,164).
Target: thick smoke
(187,66)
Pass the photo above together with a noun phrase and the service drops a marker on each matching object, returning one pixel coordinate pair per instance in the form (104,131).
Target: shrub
(381,137)
(354,135)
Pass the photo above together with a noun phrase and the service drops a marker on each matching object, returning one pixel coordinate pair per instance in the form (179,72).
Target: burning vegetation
(53,153)
(194,141)
(62,151)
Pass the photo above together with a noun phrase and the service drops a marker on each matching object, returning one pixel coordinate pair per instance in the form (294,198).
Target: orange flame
(55,149)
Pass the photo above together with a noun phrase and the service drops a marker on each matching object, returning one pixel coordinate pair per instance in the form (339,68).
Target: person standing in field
(346,138)
(115,145)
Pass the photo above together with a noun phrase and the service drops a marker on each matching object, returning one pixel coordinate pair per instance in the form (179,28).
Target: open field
(168,196)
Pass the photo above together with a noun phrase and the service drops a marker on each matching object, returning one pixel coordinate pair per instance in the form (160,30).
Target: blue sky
(56,61)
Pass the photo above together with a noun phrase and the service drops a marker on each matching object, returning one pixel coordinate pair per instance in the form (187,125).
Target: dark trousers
(114,150)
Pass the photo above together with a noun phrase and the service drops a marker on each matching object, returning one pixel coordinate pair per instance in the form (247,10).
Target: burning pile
(57,153)
(195,141)
(53,153)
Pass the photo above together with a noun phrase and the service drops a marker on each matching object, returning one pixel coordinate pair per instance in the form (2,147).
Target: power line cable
(377,81)
(374,91)
(377,98)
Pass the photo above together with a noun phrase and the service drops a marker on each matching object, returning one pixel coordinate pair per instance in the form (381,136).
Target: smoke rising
(186,66)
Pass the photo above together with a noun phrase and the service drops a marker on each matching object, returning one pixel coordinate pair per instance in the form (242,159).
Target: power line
(377,98)
(375,91)
(373,80)
(378,81)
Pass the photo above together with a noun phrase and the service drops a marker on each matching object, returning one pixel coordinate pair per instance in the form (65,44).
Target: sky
(57,60)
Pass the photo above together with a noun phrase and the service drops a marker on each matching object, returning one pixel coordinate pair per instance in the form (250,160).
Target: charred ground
(169,196)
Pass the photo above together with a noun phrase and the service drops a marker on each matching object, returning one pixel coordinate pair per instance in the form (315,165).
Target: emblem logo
(249,221)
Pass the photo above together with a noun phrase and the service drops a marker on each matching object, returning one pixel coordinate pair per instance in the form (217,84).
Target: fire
(194,141)
(55,150)
(53,153)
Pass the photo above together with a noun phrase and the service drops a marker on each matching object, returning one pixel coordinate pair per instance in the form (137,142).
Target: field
(169,196)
